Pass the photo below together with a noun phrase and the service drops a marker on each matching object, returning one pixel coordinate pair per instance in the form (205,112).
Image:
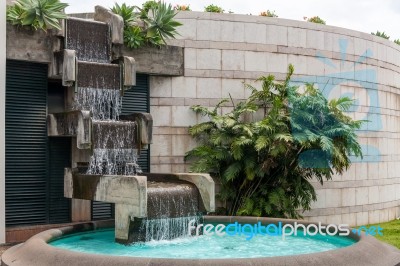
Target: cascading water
(170,209)
(115,144)
(105,104)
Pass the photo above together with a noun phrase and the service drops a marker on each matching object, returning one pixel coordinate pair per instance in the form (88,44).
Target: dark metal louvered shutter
(59,158)
(26,143)
(136,99)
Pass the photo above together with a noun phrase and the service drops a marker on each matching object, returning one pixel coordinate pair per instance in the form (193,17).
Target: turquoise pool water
(202,247)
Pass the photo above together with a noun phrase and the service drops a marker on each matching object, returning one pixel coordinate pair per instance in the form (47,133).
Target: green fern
(260,164)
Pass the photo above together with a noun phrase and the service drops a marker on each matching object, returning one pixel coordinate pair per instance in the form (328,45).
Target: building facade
(214,55)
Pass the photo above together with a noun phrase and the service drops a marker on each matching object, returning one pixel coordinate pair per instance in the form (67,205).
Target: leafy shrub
(161,24)
(39,14)
(182,7)
(315,19)
(269,13)
(397,41)
(134,37)
(142,29)
(126,12)
(147,6)
(265,166)
(381,34)
(213,9)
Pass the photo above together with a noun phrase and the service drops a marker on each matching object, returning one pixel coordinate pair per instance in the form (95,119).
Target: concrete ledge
(36,251)
(164,61)
(28,45)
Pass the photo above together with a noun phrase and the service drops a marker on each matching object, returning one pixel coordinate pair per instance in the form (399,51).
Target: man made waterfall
(171,206)
(90,39)
(146,207)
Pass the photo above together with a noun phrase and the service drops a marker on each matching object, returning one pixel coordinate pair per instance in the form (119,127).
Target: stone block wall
(221,51)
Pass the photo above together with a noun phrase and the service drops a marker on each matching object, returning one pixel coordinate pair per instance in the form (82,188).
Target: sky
(362,15)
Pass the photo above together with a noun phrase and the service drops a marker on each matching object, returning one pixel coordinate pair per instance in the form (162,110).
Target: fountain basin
(363,250)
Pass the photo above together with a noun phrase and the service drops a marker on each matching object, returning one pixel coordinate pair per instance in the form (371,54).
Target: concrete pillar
(2,119)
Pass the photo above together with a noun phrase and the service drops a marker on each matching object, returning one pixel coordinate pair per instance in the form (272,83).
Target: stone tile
(202,102)
(179,168)
(334,219)
(349,218)
(255,61)
(232,60)
(171,101)
(208,59)
(160,86)
(184,87)
(321,199)
(361,171)
(162,145)
(234,87)
(183,116)
(255,33)
(333,198)
(188,29)
(373,195)
(190,58)
(161,115)
(209,88)
(299,63)
(278,35)
(315,39)
(232,32)
(277,62)
(373,168)
(373,217)
(348,196)
(208,30)
(362,218)
(180,145)
(361,195)
(161,168)
(297,37)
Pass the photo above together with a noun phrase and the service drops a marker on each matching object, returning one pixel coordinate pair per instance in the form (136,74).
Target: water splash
(174,206)
(105,104)
(114,162)
(167,228)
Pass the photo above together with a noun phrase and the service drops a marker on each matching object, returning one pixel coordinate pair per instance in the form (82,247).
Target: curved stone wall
(224,50)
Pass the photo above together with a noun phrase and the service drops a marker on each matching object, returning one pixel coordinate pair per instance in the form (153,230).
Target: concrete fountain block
(129,193)
(116,22)
(72,124)
(68,68)
(145,128)
(129,71)
(206,186)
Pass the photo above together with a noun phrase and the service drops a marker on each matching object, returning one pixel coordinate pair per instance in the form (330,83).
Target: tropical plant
(182,7)
(127,13)
(315,19)
(38,14)
(397,41)
(134,37)
(147,6)
(381,34)
(152,26)
(269,13)
(213,9)
(161,24)
(265,165)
